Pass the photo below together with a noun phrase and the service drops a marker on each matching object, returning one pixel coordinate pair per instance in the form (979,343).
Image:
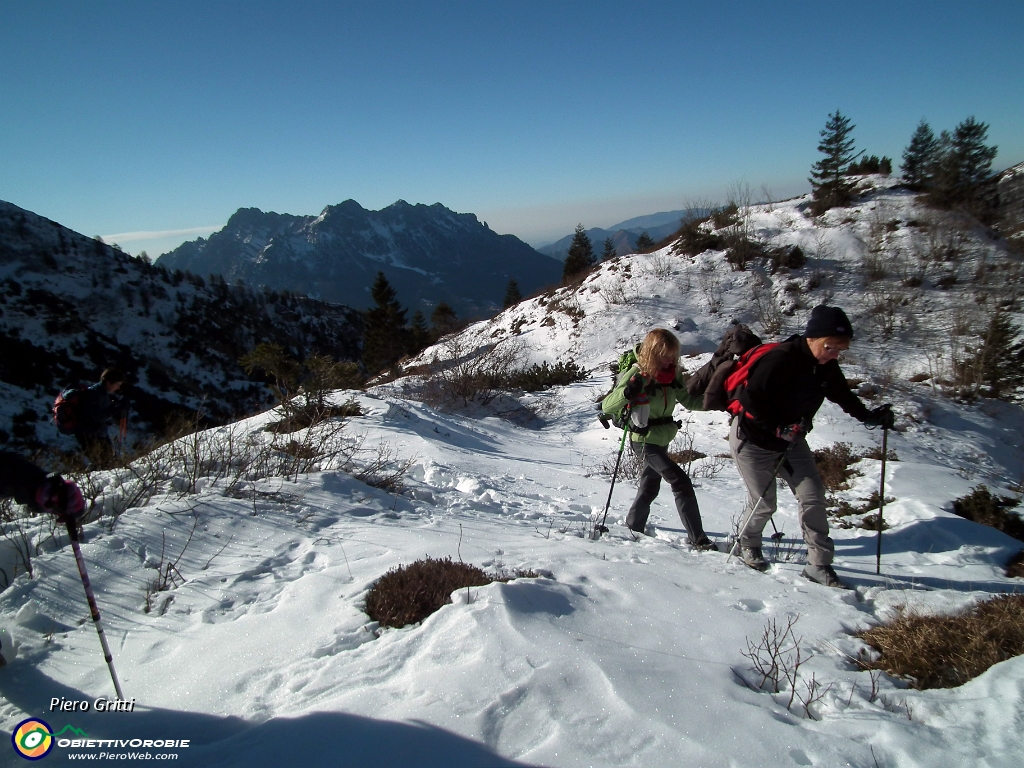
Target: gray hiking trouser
(658,465)
(756,465)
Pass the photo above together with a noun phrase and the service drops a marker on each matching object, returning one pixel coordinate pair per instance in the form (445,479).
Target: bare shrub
(659,265)
(946,236)
(167,574)
(769,314)
(710,283)
(947,651)
(630,465)
(384,469)
(885,301)
(619,292)
(19,526)
(460,375)
(696,233)
(776,659)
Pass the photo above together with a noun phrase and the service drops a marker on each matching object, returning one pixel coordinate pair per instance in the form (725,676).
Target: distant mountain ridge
(428,253)
(624,234)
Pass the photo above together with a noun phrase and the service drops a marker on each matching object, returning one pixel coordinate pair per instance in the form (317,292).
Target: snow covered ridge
(919,285)
(73,306)
(429,254)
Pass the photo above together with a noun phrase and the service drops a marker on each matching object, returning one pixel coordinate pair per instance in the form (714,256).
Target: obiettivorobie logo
(34,738)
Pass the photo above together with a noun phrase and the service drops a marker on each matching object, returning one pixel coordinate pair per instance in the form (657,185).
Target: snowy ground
(623,653)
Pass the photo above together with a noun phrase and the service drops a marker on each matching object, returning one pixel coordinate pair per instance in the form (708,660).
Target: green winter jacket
(663,402)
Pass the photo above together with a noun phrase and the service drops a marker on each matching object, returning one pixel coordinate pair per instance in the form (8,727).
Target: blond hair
(657,344)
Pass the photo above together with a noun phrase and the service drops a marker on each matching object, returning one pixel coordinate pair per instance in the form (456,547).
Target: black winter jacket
(788,385)
(97,409)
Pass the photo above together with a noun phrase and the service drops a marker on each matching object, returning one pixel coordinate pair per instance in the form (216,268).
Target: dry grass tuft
(410,593)
(982,507)
(1015,568)
(834,465)
(947,651)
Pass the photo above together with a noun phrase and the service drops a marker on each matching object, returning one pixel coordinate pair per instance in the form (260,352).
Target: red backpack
(737,379)
(65,409)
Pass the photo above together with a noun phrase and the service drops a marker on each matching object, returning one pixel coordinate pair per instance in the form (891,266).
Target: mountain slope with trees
(429,255)
(73,306)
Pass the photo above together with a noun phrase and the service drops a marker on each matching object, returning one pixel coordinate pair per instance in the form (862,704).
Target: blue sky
(129,117)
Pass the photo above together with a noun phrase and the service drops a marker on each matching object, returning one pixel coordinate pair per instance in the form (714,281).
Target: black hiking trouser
(658,465)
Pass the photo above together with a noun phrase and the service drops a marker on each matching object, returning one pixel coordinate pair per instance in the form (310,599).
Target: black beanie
(828,321)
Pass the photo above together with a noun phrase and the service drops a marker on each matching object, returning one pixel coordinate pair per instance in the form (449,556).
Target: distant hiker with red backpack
(651,387)
(87,414)
(772,409)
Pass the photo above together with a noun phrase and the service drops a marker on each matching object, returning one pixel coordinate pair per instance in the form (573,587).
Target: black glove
(634,387)
(882,416)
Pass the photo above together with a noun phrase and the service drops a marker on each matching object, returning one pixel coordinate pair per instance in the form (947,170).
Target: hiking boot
(823,574)
(706,545)
(753,558)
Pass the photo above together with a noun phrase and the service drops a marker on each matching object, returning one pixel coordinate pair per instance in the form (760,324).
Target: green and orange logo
(33,739)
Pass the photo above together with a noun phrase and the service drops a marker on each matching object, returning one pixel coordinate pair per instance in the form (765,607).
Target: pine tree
(419,333)
(385,337)
(581,255)
(443,320)
(644,243)
(919,158)
(964,165)
(1000,361)
(829,184)
(512,294)
(610,251)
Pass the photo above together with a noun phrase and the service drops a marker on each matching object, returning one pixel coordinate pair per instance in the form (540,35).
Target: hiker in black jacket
(98,407)
(786,387)
(32,486)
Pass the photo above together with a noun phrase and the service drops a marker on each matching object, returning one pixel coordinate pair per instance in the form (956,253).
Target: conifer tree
(512,294)
(581,255)
(964,164)
(919,158)
(1000,361)
(419,333)
(829,184)
(644,243)
(385,337)
(443,319)
(610,251)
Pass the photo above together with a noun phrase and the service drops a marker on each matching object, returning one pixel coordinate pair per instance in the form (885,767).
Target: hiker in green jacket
(651,387)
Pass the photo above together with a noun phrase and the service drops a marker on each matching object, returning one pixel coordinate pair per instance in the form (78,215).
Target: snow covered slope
(624,652)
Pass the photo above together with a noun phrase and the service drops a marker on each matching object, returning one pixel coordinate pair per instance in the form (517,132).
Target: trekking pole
(93,608)
(599,529)
(881,501)
(750,514)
